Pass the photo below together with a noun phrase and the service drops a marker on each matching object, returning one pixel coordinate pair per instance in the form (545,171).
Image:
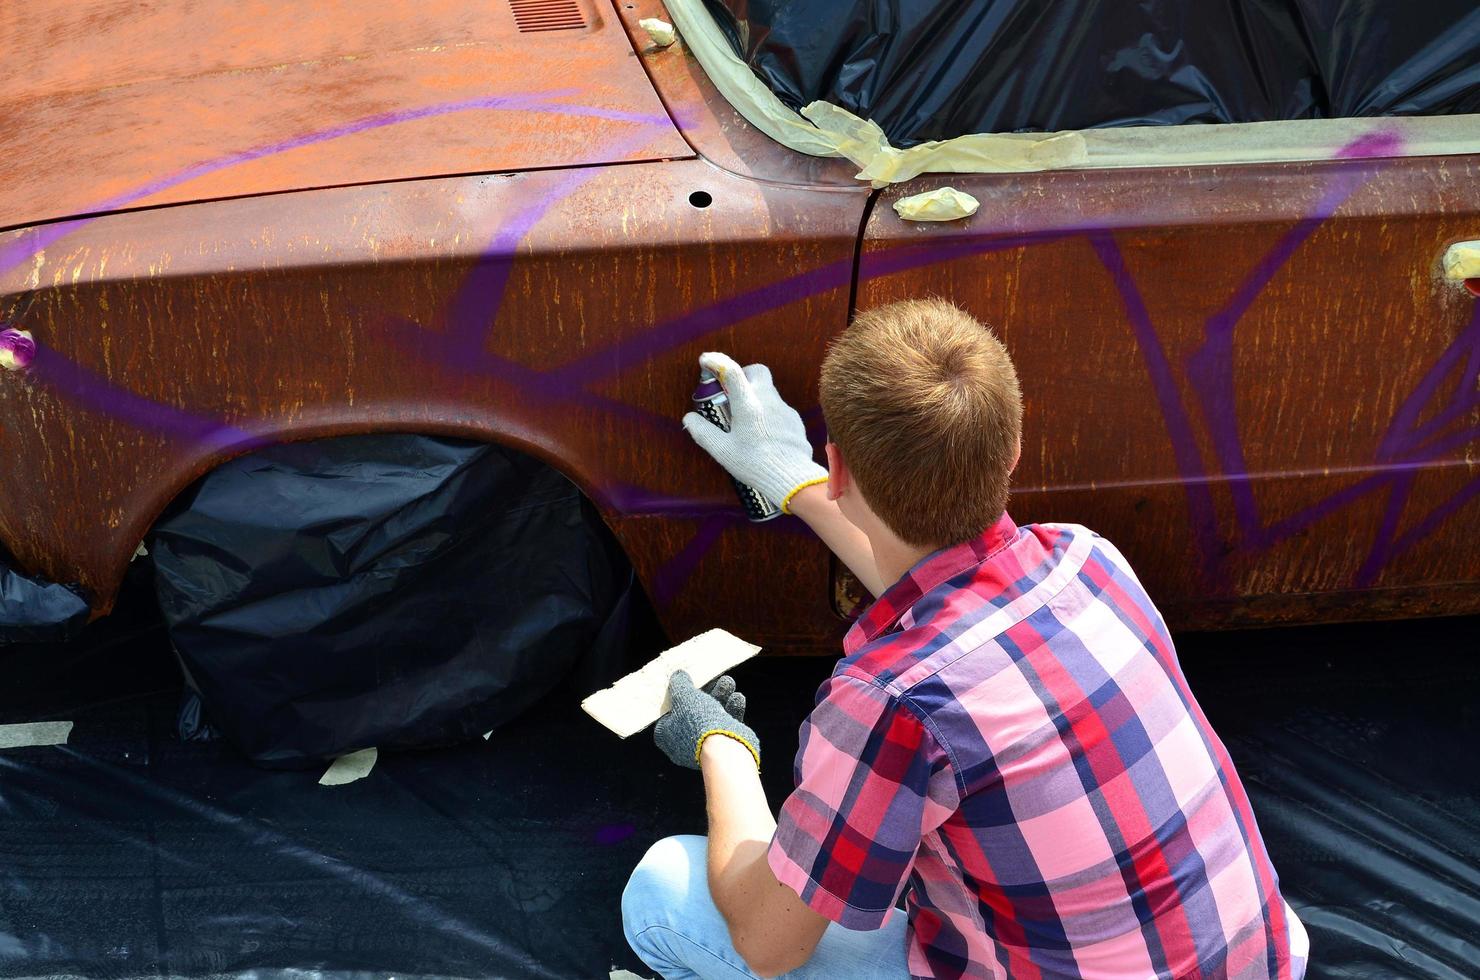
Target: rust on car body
(1252,379)
(136,105)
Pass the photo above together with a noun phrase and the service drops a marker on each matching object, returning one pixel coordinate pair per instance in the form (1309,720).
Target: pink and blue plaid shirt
(1009,733)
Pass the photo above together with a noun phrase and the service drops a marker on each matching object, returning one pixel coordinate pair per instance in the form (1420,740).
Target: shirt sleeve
(871,782)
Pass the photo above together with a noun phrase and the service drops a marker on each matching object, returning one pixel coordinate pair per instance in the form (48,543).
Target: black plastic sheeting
(33,610)
(127,853)
(935,69)
(389,591)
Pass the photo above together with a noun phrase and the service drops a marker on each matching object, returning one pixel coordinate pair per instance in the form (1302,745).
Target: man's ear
(837,473)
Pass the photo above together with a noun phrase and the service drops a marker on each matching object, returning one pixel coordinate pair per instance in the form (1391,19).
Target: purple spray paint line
(711,402)
(17,349)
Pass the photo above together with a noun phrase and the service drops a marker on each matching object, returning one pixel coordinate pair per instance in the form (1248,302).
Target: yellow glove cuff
(699,745)
(786,504)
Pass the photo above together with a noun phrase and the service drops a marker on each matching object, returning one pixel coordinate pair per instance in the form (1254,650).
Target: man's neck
(893,556)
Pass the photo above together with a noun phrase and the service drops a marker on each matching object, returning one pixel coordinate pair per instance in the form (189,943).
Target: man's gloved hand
(766,446)
(695,715)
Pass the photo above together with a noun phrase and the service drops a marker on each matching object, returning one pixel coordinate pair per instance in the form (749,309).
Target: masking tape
(34,733)
(738,84)
(863,142)
(826,130)
(941,204)
(348,768)
(1462,261)
(660,31)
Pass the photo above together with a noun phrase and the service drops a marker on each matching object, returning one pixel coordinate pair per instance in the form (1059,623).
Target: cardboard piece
(641,698)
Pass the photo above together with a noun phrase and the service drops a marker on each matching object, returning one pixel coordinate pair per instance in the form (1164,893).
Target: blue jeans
(673,926)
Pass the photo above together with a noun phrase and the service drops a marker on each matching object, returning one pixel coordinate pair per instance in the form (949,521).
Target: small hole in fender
(701,199)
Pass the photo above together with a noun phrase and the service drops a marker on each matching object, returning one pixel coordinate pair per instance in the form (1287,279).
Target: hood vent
(547,15)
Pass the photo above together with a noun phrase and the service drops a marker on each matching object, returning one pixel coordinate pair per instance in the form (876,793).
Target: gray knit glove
(695,715)
(766,446)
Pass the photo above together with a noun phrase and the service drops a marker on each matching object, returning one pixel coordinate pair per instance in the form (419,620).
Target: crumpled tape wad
(941,204)
(641,698)
(1462,261)
(660,31)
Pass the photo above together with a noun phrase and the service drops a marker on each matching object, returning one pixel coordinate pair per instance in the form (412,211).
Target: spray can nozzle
(711,402)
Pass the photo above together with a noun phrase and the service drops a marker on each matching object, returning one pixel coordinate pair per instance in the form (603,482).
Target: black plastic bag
(936,69)
(33,610)
(394,591)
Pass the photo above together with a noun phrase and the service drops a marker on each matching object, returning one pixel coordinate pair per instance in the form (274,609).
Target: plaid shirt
(1010,734)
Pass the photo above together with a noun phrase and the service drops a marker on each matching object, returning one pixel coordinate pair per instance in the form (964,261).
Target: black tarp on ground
(33,610)
(128,854)
(935,69)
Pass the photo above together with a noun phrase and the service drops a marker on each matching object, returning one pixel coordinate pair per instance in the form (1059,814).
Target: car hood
(107,105)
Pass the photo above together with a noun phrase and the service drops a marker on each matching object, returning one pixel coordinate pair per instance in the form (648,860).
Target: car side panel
(556,311)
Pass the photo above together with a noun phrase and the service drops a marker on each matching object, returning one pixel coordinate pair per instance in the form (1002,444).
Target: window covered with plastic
(937,69)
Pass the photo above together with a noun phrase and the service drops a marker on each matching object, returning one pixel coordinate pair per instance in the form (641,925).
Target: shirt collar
(928,572)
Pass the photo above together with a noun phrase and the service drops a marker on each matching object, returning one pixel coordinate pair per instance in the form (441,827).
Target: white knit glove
(766,446)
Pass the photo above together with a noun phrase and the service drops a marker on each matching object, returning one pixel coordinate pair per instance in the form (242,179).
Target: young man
(1008,741)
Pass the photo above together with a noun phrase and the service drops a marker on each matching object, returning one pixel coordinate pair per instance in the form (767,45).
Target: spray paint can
(711,402)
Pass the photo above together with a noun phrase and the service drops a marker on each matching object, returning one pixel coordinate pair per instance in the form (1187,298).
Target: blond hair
(923,403)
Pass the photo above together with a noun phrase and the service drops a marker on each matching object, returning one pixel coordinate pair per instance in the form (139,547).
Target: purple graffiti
(623,498)
(1210,367)
(675,572)
(1406,448)
(1408,442)
(613,834)
(25,247)
(1204,518)
(100,394)
(459,351)
(93,392)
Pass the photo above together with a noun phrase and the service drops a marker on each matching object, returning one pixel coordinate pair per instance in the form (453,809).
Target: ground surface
(127,853)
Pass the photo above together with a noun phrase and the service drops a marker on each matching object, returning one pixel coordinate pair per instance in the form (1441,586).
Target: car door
(1255,379)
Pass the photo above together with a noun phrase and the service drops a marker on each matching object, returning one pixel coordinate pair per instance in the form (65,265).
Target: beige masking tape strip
(34,733)
(738,84)
(348,768)
(863,142)
(1280,141)
(639,699)
(1462,261)
(835,131)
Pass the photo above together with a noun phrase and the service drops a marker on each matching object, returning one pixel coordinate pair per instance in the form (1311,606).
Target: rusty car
(228,226)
